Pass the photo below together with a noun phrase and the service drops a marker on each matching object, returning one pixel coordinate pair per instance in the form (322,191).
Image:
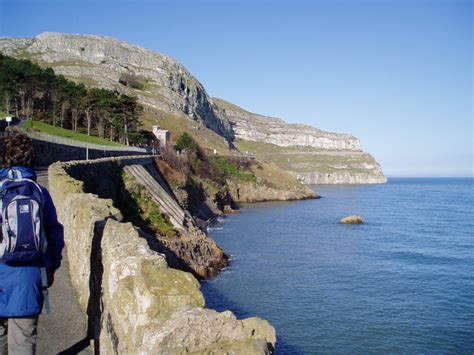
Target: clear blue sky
(395,73)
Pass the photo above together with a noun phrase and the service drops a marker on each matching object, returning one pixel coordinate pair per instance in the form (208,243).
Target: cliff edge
(308,153)
(170,94)
(136,303)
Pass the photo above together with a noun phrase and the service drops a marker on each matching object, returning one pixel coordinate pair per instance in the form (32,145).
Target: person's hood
(15,172)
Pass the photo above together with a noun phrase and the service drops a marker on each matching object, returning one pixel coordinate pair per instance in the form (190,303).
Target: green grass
(146,83)
(319,162)
(305,159)
(83,79)
(261,148)
(231,170)
(65,133)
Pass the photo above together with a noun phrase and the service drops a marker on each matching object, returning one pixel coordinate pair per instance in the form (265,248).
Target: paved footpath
(63,331)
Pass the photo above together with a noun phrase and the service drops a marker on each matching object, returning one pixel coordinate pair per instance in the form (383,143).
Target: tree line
(29,91)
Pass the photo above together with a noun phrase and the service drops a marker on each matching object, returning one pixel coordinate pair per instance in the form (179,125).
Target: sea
(402,282)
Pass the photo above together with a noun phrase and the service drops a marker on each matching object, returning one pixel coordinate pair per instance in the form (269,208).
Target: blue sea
(403,282)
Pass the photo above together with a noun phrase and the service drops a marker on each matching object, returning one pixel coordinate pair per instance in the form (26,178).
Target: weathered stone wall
(48,153)
(135,303)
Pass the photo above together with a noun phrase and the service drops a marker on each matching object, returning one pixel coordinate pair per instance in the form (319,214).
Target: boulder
(352,220)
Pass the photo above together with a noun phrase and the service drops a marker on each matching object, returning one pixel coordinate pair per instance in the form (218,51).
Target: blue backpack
(22,238)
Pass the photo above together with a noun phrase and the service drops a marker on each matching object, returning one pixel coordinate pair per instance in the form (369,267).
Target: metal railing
(66,141)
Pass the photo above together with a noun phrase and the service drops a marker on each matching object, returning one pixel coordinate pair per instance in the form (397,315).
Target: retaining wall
(48,153)
(135,303)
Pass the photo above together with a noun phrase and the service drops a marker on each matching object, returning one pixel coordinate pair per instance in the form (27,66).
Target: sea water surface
(401,283)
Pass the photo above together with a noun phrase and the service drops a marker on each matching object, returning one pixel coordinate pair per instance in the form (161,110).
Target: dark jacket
(20,286)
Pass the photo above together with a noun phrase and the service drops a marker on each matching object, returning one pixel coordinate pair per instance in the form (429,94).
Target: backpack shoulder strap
(8,184)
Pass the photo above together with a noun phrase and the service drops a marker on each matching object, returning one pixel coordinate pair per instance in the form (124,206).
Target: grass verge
(65,133)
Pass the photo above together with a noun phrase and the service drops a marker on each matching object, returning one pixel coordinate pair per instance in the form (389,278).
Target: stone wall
(48,153)
(134,302)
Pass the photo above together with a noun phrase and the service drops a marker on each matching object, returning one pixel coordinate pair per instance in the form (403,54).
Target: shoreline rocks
(135,302)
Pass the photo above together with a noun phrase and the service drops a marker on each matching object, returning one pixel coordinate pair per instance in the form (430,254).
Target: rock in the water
(352,220)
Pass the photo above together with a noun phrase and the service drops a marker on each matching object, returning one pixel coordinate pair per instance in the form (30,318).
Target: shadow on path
(63,331)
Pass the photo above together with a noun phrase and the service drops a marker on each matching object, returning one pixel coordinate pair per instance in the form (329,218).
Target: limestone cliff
(164,86)
(311,155)
(253,127)
(162,83)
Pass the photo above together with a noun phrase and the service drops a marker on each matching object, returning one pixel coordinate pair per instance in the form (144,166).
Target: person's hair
(17,150)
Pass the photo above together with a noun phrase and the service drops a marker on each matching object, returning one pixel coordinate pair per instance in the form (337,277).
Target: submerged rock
(352,220)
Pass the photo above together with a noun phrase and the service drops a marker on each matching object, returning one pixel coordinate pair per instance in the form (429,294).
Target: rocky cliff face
(135,303)
(102,61)
(343,177)
(165,85)
(311,155)
(253,127)
(186,247)
(136,189)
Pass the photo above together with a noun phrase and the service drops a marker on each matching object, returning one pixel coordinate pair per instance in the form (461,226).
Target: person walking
(31,243)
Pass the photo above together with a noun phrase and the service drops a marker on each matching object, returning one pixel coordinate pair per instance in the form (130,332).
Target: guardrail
(74,143)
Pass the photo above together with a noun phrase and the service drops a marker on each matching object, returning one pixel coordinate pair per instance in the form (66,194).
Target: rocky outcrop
(311,155)
(254,127)
(135,303)
(200,254)
(346,176)
(152,309)
(187,247)
(245,192)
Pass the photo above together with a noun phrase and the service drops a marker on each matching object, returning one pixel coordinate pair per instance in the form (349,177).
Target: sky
(397,74)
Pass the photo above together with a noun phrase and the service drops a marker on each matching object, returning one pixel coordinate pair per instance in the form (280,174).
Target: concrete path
(63,331)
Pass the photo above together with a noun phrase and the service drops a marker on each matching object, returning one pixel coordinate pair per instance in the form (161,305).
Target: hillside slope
(158,80)
(311,155)
(172,95)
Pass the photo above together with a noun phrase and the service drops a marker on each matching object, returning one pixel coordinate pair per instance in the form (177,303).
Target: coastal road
(63,331)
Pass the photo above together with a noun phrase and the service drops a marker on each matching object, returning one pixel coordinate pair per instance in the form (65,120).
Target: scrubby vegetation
(140,209)
(200,176)
(29,91)
(188,158)
(233,168)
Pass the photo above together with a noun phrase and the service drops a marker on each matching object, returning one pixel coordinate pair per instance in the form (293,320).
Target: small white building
(163,135)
